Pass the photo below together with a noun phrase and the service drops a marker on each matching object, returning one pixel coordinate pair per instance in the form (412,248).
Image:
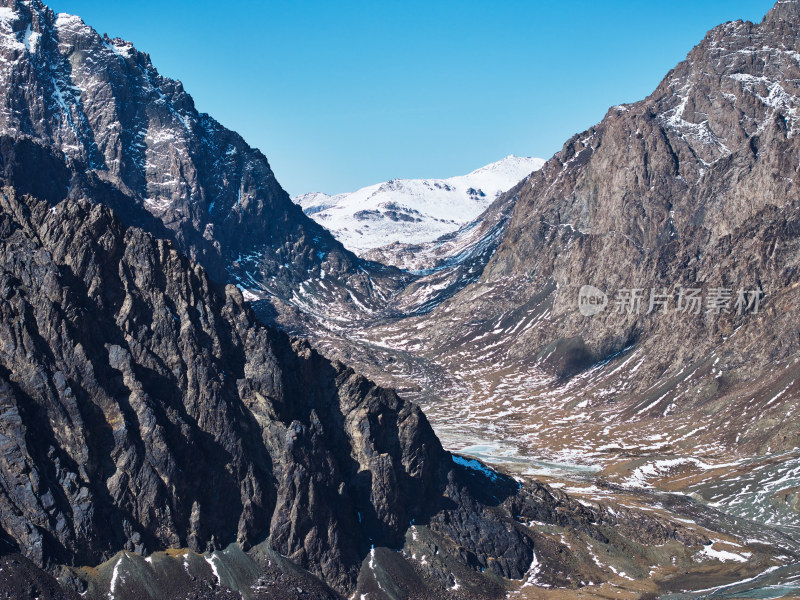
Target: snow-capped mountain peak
(413,211)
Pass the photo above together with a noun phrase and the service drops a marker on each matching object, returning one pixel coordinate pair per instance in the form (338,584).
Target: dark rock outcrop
(20,578)
(144,408)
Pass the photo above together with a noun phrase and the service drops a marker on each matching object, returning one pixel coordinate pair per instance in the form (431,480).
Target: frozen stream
(762,497)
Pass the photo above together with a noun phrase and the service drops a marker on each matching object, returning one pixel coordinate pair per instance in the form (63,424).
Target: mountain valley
(196,376)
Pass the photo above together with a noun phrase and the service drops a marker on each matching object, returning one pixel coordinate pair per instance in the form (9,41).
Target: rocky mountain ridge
(690,188)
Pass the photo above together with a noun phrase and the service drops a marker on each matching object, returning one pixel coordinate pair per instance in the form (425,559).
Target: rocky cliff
(144,408)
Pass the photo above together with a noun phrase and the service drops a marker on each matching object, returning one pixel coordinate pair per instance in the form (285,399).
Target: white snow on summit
(413,211)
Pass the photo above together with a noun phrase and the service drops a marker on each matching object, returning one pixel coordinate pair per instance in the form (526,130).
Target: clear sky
(342,94)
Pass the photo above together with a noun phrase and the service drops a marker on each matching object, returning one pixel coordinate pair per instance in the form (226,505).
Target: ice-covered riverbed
(757,499)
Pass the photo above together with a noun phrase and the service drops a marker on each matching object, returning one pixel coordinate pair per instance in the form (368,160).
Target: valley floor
(751,503)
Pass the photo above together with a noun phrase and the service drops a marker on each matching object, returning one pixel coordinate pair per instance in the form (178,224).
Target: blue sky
(340,95)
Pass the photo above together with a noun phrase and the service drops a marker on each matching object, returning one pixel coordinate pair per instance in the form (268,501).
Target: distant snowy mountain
(413,211)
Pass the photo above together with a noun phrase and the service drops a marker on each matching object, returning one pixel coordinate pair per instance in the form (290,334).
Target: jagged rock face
(22,579)
(144,408)
(710,149)
(103,105)
(712,146)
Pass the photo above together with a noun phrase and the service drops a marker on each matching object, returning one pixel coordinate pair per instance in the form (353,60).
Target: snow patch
(115,577)
(723,555)
(31,40)
(474,465)
(214,567)
(122,49)
(65,20)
